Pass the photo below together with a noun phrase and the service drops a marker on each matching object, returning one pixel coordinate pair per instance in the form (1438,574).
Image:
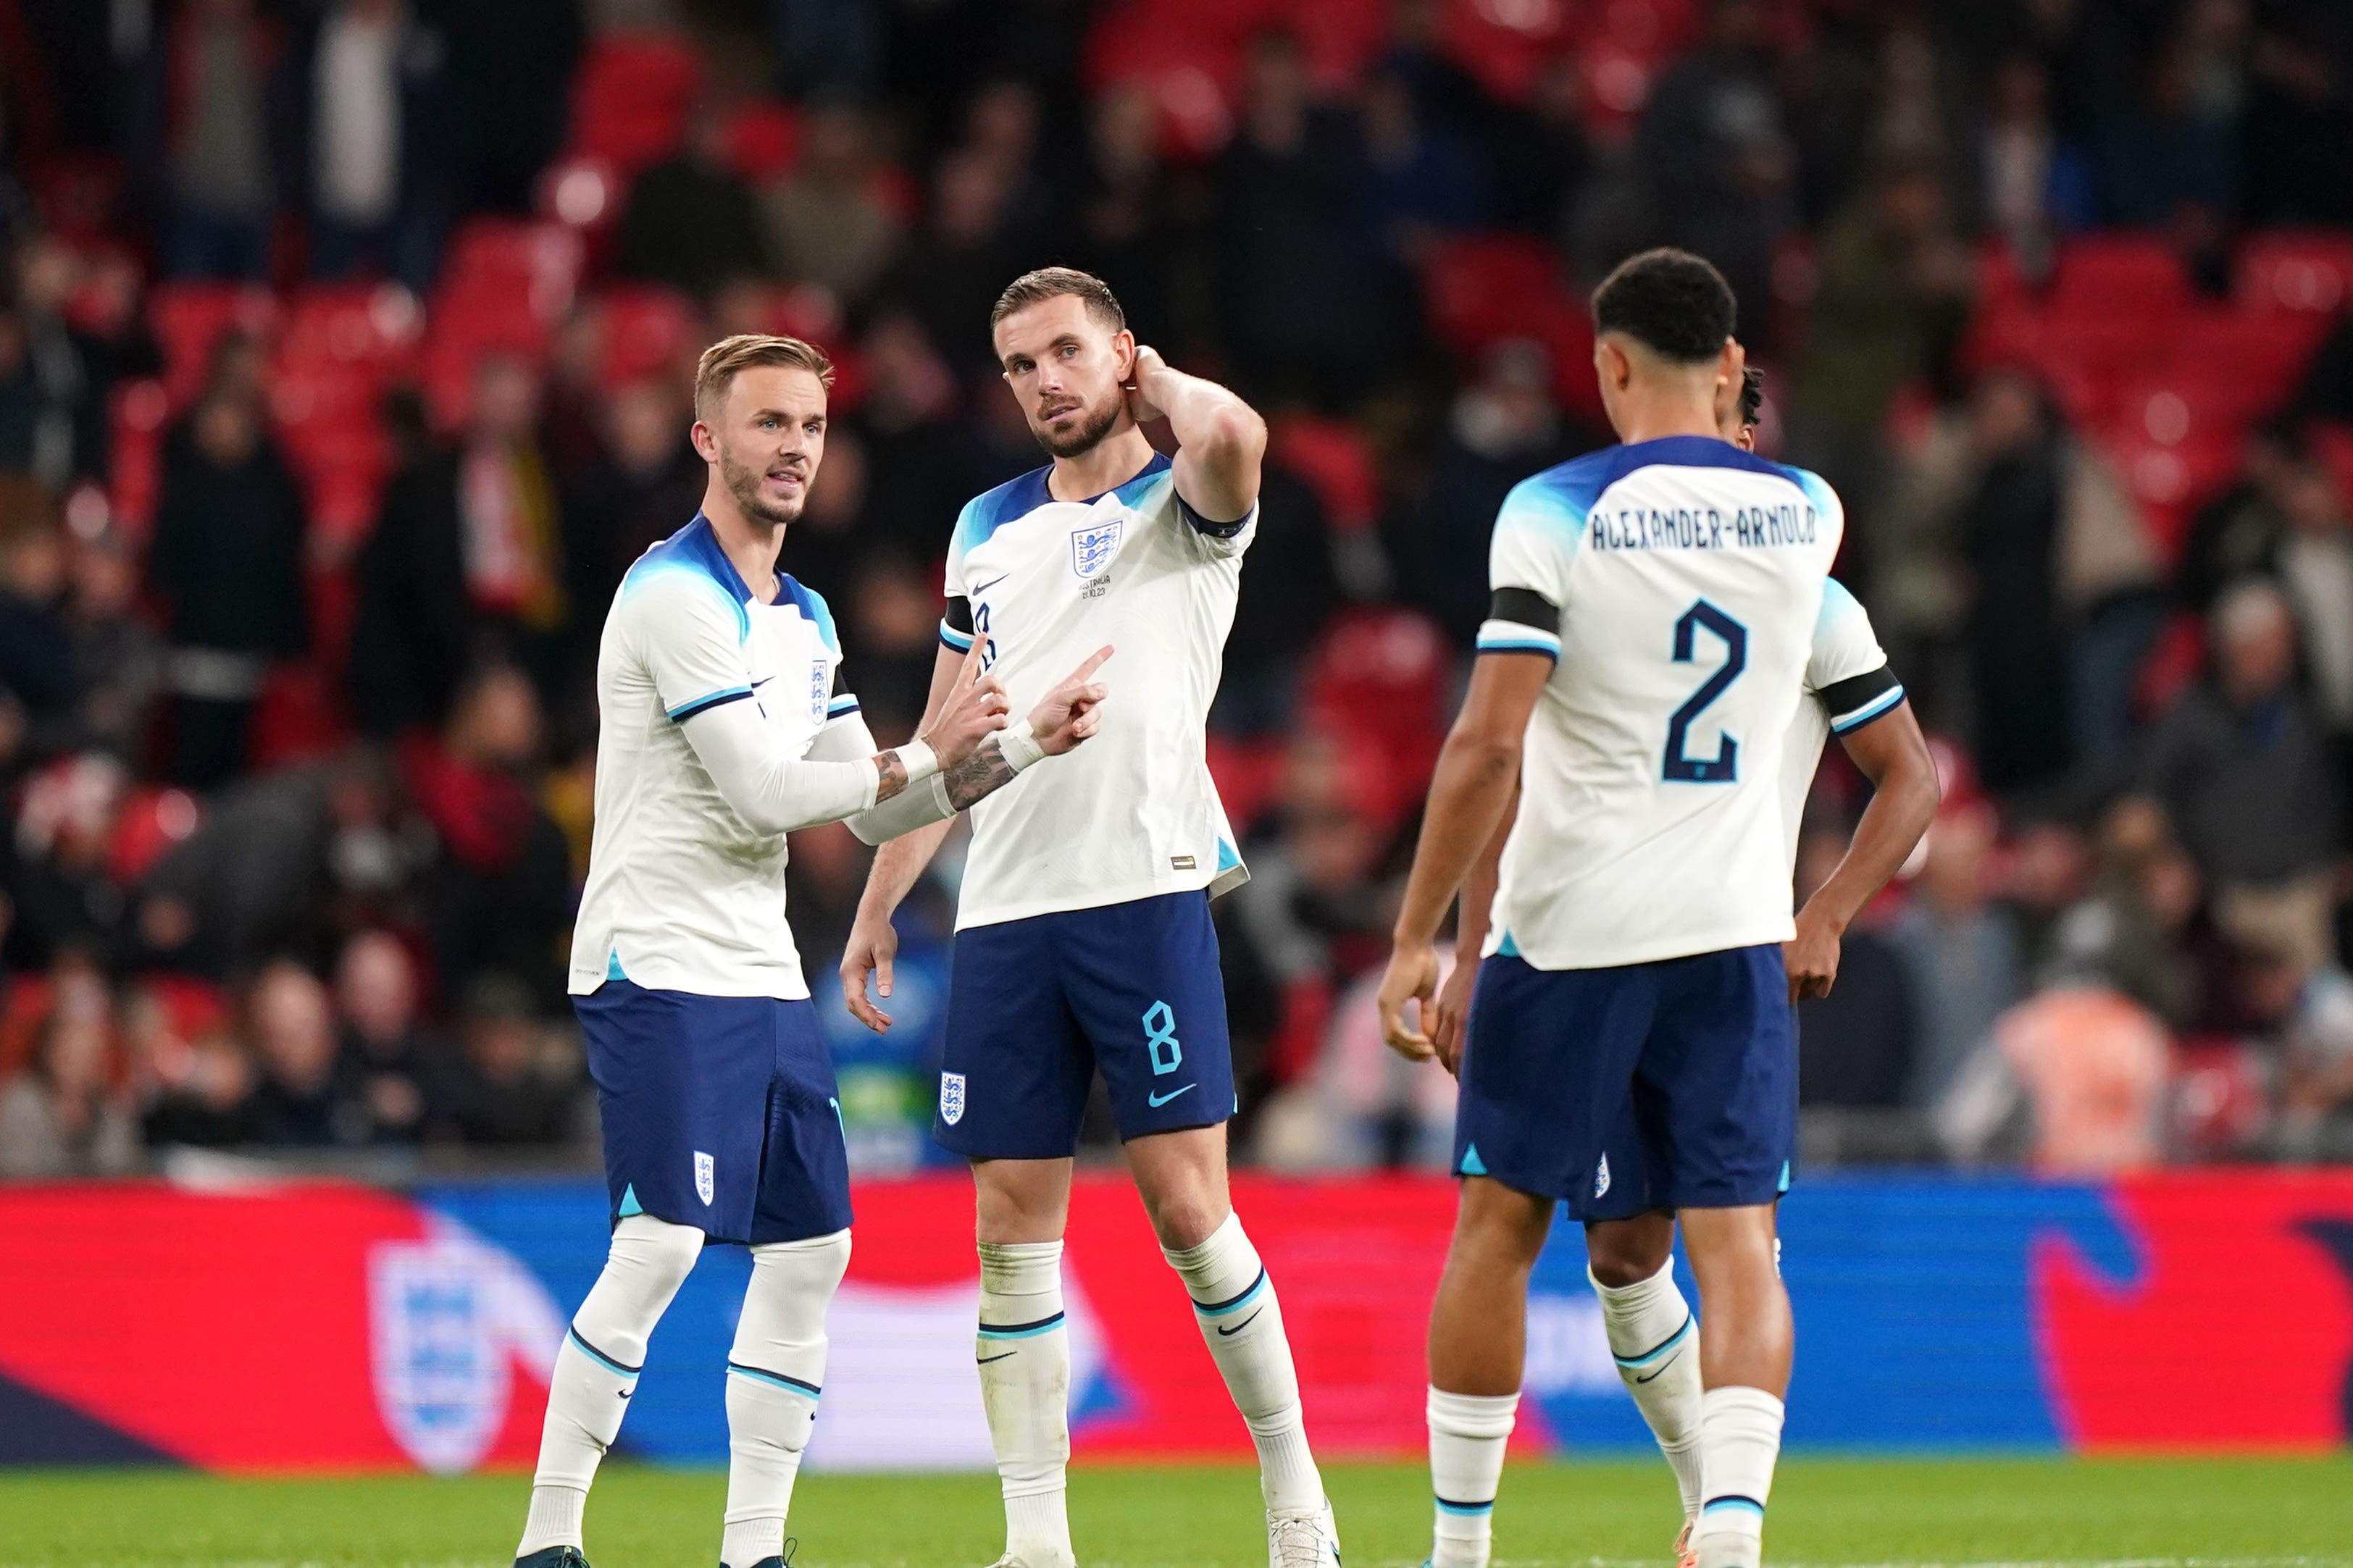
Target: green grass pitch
(2148,1513)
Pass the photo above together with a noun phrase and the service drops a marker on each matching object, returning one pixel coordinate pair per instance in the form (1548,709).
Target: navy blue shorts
(1648,1086)
(719,1112)
(1035,1006)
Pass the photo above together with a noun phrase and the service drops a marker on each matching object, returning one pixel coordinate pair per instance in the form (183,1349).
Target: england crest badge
(1092,547)
(952,1097)
(821,685)
(1602,1178)
(705,1180)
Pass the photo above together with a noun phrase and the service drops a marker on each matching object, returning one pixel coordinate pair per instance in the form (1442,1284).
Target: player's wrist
(1018,746)
(920,761)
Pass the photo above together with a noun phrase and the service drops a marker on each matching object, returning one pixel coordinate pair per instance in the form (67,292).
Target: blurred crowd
(344,349)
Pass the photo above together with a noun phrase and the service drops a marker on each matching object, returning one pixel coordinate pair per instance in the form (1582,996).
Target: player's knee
(1627,1252)
(1187,1219)
(663,1252)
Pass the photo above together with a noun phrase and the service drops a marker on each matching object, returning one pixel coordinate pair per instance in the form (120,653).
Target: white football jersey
(1677,584)
(1850,684)
(1133,813)
(683,894)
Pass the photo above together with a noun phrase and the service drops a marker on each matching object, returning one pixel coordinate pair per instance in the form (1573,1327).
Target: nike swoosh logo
(624,1393)
(1008,1355)
(992,583)
(1158,1100)
(1662,1366)
(1238,1328)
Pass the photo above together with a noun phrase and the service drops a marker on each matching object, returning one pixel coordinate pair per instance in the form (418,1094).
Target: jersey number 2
(1725,766)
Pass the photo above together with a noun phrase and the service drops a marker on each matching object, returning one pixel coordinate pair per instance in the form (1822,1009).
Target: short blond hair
(1056,283)
(729,357)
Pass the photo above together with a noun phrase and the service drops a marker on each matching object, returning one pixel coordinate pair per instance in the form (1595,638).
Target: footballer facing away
(1663,620)
(1083,929)
(721,727)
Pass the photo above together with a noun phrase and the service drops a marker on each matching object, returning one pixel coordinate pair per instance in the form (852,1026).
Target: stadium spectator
(392,1072)
(195,1087)
(227,562)
(1893,291)
(516,1083)
(829,220)
(643,490)
(2073,1081)
(2242,767)
(1715,158)
(2133,933)
(2036,184)
(2016,629)
(70,375)
(1123,222)
(690,221)
(1421,180)
(1503,427)
(296,1099)
(220,140)
(374,84)
(1308,300)
(38,670)
(466,560)
(61,884)
(1961,951)
(118,659)
(67,1113)
(498,893)
(949,271)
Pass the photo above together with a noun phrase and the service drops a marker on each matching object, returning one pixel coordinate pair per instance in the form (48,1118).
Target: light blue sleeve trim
(685,710)
(1867,712)
(845,703)
(1551,650)
(959,642)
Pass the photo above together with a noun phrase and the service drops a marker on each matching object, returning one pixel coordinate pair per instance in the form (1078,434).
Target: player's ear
(706,444)
(1123,344)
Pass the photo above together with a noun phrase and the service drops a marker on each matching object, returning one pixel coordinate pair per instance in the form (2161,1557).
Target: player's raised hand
(1412,977)
(1140,406)
(1811,956)
(975,710)
(1070,714)
(1453,1025)
(873,944)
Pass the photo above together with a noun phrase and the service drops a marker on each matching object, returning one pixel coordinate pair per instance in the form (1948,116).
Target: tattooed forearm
(983,772)
(894,775)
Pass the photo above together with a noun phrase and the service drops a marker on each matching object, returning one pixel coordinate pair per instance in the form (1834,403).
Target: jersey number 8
(1725,766)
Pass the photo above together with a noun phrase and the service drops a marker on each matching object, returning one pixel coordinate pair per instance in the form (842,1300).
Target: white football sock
(774,1371)
(596,1370)
(1740,1439)
(1023,1350)
(1468,1434)
(1655,1341)
(1242,1324)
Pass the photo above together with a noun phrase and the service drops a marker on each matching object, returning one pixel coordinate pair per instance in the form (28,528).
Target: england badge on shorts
(1093,548)
(952,1097)
(703,1181)
(1601,1179)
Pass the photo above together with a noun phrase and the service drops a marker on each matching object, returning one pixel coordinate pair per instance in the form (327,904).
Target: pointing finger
(1093,662)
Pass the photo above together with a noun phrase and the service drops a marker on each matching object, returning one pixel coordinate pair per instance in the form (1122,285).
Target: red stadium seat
(2296,271)
(1481,287)
(764,139)
(2113,277)
(1336,461)
(368,326)
(647,328)
(1382,677)
(1249,776)
(630,99)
